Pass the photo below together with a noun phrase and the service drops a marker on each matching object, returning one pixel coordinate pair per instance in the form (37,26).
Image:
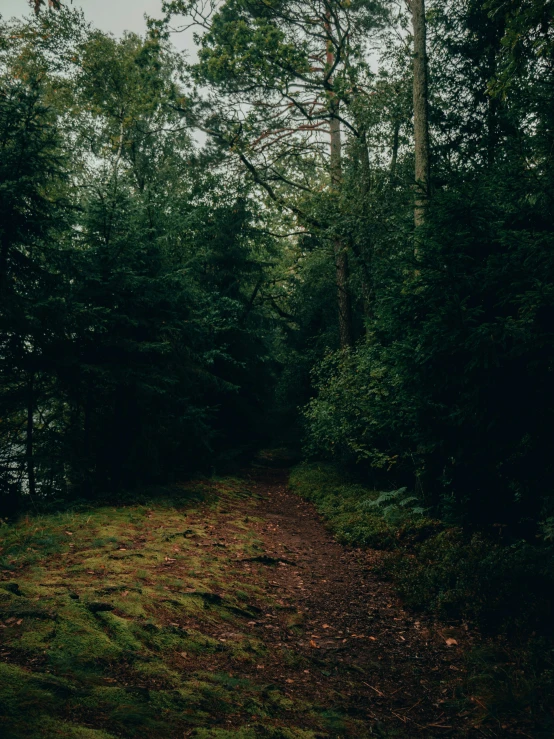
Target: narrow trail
(390,669)
(223,611)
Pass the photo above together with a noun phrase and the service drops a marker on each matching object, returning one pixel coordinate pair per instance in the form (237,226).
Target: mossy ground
(129,620)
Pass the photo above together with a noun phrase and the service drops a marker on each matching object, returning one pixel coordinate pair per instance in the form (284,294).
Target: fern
(393,502)
(547,529)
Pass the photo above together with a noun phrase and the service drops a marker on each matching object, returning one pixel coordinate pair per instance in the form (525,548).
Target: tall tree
(344,302)
(288,72)
(421,110)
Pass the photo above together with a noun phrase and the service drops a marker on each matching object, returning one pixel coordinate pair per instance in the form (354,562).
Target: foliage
(357,519)
(426,392)
(131,348)
(166,304)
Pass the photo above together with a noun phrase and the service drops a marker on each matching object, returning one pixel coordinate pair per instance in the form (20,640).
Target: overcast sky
(109,15)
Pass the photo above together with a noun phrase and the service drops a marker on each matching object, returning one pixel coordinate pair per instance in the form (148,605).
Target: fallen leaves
(13,621)
(451,642)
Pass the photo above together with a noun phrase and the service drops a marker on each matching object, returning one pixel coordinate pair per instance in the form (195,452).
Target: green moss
(116,612)
(254,731)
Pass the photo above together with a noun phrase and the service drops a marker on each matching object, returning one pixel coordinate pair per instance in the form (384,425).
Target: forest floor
(224,611)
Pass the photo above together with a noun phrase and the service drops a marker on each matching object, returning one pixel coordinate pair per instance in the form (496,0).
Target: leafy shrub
(503,588)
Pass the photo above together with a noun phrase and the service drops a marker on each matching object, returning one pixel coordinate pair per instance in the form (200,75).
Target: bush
(502,588)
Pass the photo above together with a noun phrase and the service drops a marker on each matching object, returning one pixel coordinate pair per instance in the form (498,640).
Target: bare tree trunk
(395,145)
(29,456)
(362,154)
(421,106)
(341,257)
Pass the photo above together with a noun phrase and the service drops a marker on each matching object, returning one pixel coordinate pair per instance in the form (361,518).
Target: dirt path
(224,611)
(396,673)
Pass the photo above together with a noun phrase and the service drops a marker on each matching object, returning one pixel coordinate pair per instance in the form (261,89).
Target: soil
(397,673)
(290,616)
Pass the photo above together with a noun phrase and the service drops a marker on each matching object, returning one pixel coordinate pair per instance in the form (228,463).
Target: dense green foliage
(131,348)
(450,388)
(160,299)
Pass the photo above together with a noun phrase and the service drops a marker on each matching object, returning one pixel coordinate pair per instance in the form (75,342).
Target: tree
(133,348)
(421,105)
(300,70)
(32,209)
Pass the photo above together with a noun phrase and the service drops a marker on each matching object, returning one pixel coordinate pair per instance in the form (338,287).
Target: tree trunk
(395,146)
(29,456)
(341,256)
(421,117)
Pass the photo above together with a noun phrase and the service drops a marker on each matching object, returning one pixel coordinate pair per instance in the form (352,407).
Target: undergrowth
(505,589)
(361,517)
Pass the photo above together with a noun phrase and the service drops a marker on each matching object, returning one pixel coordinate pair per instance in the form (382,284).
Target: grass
(129,621)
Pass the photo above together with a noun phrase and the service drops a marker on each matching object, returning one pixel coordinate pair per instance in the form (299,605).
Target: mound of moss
(111,621)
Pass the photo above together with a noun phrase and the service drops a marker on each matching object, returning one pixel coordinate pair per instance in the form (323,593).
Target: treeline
(413,148)
(132,349)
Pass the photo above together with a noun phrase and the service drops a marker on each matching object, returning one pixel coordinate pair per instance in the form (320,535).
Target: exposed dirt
(237,612)
(392,670)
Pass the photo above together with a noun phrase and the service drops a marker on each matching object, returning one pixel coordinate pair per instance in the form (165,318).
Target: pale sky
(108,15)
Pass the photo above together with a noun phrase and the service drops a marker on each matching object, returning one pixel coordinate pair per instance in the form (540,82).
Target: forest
(280,305)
